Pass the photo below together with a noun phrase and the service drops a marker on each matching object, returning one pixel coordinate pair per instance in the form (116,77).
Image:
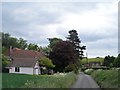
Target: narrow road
(85,81)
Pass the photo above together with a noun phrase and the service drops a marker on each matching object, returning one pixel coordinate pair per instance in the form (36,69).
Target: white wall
(23,70)
(37,69)
(27,70)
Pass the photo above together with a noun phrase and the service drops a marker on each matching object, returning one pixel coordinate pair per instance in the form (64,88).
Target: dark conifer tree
(78,49)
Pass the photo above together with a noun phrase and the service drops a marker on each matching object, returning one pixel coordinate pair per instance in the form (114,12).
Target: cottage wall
(23,70)
(37,69)
(27,70)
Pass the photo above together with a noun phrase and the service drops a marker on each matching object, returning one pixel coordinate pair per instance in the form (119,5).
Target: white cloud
(96,23)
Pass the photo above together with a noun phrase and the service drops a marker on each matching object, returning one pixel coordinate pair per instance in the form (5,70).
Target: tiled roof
(24,58)
(23,62)
(19,53)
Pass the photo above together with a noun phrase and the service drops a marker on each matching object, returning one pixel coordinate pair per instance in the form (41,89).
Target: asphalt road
(85,81)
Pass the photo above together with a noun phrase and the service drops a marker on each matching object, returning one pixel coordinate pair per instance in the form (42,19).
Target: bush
(46,62)
(71,67)
(89,71)
(5,62)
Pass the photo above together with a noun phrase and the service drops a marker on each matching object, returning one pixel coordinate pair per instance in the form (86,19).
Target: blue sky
(96,23)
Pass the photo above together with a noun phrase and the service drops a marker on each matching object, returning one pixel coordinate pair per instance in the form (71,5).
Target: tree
(53,42)
(33,47)
(5,62)
(8,41)
(13,42)
(46,62)
(78,49)
(108,61)
(62,55)
(22,43)
(5,39)
(116,62)
(46,50)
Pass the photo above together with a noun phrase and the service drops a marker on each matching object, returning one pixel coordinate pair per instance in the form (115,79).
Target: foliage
(103,78)
(33,47)
(53,42)
(5,62)
(46,50)
(89,71)
(38,81)
(46,62)
(78,49)
(108,61)
(116,62)
(8,41)
(71,67)
(62,55)
(5,39)
(22,43)
(3,49)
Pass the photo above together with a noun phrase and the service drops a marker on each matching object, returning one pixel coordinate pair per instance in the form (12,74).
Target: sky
(96,23)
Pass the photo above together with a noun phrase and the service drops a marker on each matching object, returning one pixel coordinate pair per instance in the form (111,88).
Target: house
(92,64)
(24,61)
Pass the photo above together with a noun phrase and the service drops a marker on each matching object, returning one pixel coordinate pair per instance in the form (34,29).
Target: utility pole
(87,59)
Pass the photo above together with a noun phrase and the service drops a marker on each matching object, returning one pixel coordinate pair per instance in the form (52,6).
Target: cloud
(96,23)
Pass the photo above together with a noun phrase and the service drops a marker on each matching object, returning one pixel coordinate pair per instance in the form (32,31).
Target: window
(17,69)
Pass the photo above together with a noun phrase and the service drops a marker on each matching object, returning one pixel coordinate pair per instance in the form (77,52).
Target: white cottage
(24,61)
(24,66)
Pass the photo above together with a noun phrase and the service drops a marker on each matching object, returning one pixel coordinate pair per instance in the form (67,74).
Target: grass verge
(106,78)
(64,80)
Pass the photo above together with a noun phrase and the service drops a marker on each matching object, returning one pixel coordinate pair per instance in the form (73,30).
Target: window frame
(17,69)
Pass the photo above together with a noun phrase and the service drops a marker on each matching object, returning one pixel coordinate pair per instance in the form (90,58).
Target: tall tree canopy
(8,41)
(78,49)
(53,41)
(108,61)
(62,55)
(116,62)
(33,47)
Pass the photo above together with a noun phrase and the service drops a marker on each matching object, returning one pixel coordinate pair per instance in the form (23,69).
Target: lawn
(64,80)
(107,78)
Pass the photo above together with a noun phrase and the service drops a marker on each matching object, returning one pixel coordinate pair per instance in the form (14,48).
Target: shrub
(71,67)
(89,71)
(46,62)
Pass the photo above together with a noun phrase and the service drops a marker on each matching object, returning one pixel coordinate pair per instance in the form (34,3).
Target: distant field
(37,81)
(92,60)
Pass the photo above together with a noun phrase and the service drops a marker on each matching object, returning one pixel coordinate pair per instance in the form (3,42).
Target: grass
(106,78)
(38,81)
(92,60)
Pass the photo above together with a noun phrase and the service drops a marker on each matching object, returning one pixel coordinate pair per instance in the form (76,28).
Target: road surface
(85,81)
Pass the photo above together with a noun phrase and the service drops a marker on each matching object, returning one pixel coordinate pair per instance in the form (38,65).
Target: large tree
(116,62)
(74,39)
(108,61)
(8,41)
(5,39)
(33,47)
(62,55)
(22,43)
(53,42)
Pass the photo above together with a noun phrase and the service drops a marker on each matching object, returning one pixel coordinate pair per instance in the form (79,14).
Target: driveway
(85,81)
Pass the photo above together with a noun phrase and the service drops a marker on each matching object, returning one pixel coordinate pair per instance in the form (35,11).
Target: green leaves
(78,49)
(46,62)
(116,62)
